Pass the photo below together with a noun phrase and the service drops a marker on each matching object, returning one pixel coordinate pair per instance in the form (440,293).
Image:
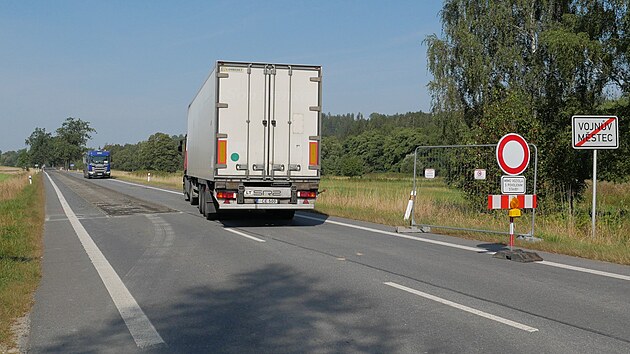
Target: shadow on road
(260,218)
(272,310)
(493,247)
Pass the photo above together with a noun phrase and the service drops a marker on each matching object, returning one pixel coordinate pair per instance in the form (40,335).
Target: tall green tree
(160,153)
(524,66)
(39,143)
(71,140)
(23,159)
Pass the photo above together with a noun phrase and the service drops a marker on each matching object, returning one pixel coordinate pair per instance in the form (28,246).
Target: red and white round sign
(513,154)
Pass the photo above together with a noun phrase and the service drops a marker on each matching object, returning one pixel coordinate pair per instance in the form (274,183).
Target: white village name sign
(594,133)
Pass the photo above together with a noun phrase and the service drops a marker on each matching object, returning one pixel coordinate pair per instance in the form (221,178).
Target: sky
(131,68)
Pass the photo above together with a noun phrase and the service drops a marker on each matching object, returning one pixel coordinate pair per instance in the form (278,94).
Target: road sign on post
(594,133)
(512,154)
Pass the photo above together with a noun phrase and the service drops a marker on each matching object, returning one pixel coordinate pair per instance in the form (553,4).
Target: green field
(4,176)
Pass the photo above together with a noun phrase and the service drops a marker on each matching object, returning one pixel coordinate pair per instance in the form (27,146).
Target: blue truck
(97,164)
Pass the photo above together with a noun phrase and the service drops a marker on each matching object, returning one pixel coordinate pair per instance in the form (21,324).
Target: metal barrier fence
(451,185)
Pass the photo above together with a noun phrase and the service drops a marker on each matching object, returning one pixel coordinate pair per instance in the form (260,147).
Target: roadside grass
(21,229)
(382,198)
(11,184)
(159,179)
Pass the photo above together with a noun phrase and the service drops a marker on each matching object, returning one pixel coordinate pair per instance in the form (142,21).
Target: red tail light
(226,195)
(307,194)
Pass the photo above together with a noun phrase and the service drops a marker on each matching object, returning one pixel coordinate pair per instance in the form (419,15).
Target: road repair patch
(111,202)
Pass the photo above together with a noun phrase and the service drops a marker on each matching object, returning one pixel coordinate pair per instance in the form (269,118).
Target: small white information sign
(513,184)
(429,173)
(480,174)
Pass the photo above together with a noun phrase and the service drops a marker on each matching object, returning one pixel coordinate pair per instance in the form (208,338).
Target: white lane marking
(244,235)
(586,270)
(149,187)
(139,325)
(464,308)
(467,248)
(474,249)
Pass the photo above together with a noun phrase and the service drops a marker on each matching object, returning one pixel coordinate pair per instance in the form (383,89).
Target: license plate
(266,201)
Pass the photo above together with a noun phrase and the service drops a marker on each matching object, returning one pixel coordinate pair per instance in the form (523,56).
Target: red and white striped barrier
(525,201)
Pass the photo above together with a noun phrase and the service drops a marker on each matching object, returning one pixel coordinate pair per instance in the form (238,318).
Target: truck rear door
(268,121)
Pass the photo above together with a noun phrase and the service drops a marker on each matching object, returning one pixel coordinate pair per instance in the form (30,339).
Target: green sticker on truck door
(234,157)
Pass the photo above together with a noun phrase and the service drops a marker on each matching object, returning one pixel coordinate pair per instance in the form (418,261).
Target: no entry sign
(513,154)
(595,132)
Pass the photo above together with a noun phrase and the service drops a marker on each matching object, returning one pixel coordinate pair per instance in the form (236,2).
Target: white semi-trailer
(253,139)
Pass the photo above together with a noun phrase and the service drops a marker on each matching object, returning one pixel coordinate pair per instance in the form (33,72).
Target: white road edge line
(467,248)
(464,308)
(586,270)
(244,235)
(149,187)
(139,325)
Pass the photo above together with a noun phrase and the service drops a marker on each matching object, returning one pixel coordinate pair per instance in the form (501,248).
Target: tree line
(157,153)
(353,145)
(69,142)
(62,148)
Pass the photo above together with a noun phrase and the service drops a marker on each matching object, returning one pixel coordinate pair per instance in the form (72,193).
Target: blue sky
(130,68)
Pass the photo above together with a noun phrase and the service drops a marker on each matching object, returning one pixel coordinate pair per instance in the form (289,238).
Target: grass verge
(158,179)
(383,200)
(21,228)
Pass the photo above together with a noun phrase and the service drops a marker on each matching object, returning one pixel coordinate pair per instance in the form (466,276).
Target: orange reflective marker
(514,212)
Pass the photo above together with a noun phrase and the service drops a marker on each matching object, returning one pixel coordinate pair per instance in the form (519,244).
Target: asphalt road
(133,269)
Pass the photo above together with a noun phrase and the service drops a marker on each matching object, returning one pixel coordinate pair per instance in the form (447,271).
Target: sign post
(593,133)
(513,158)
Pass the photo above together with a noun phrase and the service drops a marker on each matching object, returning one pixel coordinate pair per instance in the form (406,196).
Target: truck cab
(97,164)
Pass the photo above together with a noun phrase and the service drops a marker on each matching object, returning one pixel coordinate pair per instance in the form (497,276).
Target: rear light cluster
(307,194)
(226,195)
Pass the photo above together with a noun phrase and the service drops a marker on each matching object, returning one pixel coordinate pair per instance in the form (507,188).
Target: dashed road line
(244,235)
